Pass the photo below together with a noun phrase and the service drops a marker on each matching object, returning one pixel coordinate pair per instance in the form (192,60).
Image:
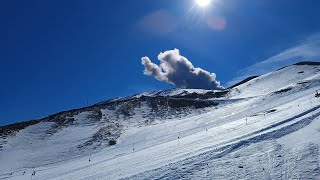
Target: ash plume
(178,70)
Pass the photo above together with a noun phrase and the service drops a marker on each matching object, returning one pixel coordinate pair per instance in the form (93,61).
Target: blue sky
(57,54)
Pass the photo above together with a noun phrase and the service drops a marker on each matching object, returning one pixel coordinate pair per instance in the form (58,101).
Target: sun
(203,3)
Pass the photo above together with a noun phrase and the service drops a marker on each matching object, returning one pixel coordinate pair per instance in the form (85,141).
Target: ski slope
(266,128)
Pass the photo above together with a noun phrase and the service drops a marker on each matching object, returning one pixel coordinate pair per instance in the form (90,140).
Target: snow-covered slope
(287,77)
(265,128)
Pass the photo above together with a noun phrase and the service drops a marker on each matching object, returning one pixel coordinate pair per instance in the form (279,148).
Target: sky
(60,55)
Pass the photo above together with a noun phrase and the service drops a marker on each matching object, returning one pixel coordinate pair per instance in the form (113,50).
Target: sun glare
(203,3)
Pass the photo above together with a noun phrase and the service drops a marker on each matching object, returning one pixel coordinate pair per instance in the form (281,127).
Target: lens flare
(203,3)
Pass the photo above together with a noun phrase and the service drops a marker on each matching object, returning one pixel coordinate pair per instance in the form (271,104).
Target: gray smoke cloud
(178,70)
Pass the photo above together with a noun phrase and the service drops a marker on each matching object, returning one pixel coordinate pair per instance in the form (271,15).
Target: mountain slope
(264,128)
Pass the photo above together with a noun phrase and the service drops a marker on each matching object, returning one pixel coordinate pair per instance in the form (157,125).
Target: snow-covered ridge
(267,127)
(170,92)
(277,80)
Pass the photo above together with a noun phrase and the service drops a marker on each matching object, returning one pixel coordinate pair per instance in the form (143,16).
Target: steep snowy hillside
(286,78)
(264,128)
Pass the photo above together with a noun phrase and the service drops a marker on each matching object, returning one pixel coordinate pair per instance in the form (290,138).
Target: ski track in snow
(195,166)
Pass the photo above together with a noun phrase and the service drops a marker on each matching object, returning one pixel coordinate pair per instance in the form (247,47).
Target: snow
(254,133)
(170,92)
(276,80)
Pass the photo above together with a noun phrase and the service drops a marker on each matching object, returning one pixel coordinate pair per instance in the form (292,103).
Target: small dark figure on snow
(24,172)
(317,94)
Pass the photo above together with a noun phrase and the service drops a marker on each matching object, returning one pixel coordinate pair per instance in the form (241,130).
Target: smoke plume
(178,70)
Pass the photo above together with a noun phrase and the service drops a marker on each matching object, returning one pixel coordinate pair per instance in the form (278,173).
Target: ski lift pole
(90,161)
(33,173)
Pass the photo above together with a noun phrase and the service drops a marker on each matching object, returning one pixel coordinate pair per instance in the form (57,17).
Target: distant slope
(310,63)
(243,81)
(290,76)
